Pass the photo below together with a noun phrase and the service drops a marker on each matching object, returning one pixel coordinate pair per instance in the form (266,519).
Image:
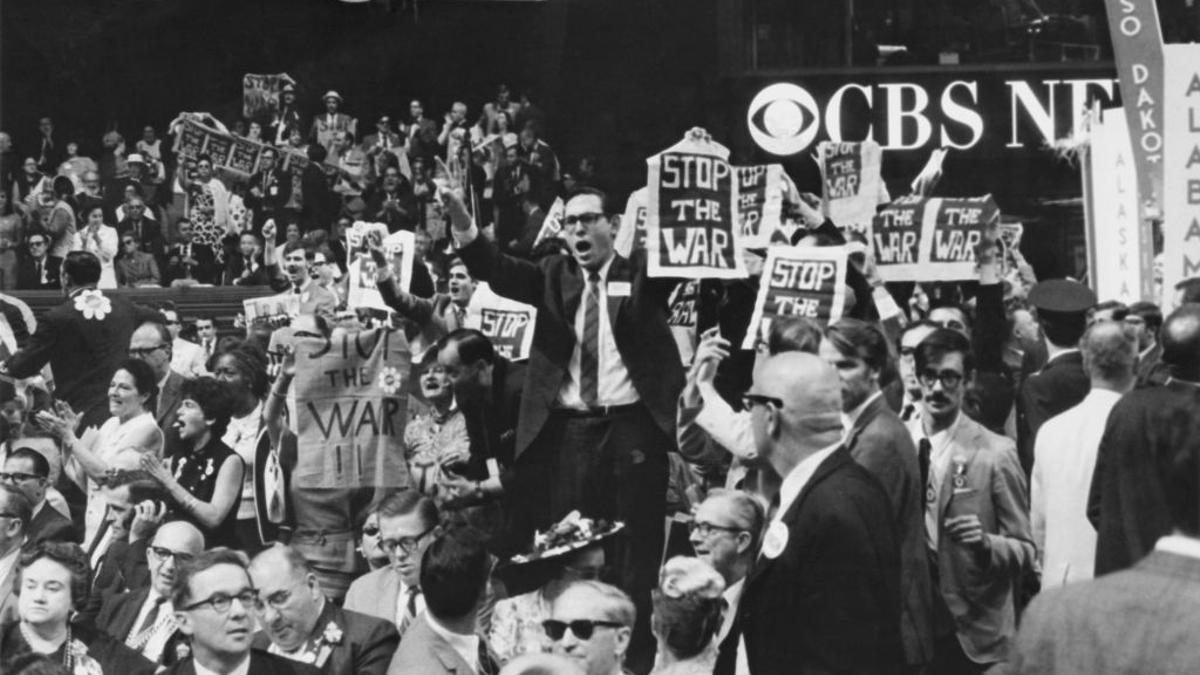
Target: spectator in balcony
(207,203)
(269,192)
(319,202)
(247,267)
(135,268)
(58,216)
(139,222)
(421,132)
(456,130)
(11,230)
(191,262)
(542,164)
(326,125)
(39,270)
(392,202)
(100,240)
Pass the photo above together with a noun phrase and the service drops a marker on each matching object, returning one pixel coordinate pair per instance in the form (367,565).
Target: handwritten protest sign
(851,183)
(243,157)
(690,211)
(682,313)
(508,323)
(234,154)
(351,408)
(920,239)
(361,289)
(760,203)
(552,226)
(260,94)
(271,309)
(189,141)
(632,234)
(804,281)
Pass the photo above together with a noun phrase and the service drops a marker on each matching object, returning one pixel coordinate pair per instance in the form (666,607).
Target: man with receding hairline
(1145,429)
(825,593)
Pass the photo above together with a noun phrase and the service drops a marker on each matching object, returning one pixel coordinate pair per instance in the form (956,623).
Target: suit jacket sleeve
(418,310)
(1011,548)
(990,328)
(377,650)
(695,445)
(511,277)
(36,354)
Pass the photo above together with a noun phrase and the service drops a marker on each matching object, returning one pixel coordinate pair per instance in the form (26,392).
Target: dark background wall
(620,79)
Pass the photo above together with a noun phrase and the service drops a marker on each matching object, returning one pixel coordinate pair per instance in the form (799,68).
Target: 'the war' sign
(351,408)
(920,239)
(799,281)
(508,323)
(690,218)
(851,183)
(759,203)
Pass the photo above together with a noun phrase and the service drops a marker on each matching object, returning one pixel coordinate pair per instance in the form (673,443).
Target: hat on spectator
(135,158)
(288,86)
(531,570)
(384,119)
(332,94)
(1063,296)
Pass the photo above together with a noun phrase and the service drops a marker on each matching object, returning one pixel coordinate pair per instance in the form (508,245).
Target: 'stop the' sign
(925,109)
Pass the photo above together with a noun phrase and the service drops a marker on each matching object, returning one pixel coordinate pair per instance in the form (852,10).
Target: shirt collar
(793,484)
(243,668)
(851,418)
(1179,545)
(467,646)
(603,271)
(733,593)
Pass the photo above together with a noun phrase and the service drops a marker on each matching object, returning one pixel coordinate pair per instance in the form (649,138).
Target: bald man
(144,618)
(825,593)
(1145,431)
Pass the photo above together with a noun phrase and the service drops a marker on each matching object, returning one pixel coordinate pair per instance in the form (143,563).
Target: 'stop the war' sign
(803,281)
(691,228)
(932,239)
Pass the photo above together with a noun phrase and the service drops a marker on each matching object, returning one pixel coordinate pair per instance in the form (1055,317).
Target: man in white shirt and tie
(206,331)
(1065,457)
(144,618)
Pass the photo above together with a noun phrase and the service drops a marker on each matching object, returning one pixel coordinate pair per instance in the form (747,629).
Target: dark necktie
(924,447)
(410,610)
(487,665)
(41,273)
(151,616)
(589,349)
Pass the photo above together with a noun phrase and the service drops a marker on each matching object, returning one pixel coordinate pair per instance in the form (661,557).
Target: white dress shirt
(466,646)
(402,603)
(793,484)
(242,669)
(614,385)
(1064,458)
(1179,545)
(940,445)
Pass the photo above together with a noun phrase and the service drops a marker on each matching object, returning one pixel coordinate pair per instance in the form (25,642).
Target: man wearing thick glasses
(214,603)
(144,618)
(976,524)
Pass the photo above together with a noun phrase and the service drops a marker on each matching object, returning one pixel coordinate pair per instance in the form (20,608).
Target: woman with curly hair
(243,368)
(687,614)
(52,584)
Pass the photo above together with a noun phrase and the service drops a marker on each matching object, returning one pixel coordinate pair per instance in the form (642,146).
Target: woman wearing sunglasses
(135,267)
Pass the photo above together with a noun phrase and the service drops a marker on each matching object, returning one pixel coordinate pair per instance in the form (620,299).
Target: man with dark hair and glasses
(144,618)
(214,602)
(408,523)
(28,471)
(591,623)
(298,622)
(977,530)
(15,514)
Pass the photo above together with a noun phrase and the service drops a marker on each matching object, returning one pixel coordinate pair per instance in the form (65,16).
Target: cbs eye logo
(783,119)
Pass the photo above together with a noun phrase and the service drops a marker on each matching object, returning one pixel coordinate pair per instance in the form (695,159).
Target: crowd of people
(999,475)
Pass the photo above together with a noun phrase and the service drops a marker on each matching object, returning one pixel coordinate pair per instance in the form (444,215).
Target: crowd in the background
(930,484)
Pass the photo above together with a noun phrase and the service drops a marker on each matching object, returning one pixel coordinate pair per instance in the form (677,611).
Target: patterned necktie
(487,665)
(589,349)
(151,616)
(410,610)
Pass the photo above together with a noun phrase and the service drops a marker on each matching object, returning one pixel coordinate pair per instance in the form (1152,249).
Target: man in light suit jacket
(298,622)
(314,298)
(824,595)
(877,439)
(1139,620)
(12,538)
(597,416)
(443,638)
(976,518)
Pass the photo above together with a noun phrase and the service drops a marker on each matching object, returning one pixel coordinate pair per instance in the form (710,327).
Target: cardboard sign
(759,204)
(234,154)
(1181,178)
(351,409)
(801,281)
(260,94)
(218,146)
(189,141)
(920,239)
(243,158)
(273,309)
(851,183)
(361,290)
(632,234)
(1119,268)
(691,212)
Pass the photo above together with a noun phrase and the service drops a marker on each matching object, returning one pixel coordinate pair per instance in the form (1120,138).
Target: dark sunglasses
(580,628)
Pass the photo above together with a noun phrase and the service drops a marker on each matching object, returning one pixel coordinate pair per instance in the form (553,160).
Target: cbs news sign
(986,111)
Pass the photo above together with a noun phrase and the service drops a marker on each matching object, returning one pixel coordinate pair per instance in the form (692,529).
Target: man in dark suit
(145,231)
(320,203)
(143,618)
(597,416)
(117,552)
(1146,319)
(28,471)
(12,540)
(83,340)
(977,528)
(38,271)
(879,442)
(1142,619)
(214,601)
(151,342)
(269,192)
(299,623)
(1062,383)
(443,638)
(1145,433)
(825,593)
(191,262)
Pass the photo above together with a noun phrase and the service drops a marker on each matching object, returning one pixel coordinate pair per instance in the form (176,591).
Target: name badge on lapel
(619,289)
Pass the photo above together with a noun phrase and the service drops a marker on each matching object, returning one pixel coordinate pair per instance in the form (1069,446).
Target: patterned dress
(429,438)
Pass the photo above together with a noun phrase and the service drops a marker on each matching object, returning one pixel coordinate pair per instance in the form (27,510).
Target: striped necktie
(589,349)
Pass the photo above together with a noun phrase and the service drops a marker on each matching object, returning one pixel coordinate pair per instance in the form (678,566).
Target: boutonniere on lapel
(329,639)
(960,473)
(775,541)
(93,305)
